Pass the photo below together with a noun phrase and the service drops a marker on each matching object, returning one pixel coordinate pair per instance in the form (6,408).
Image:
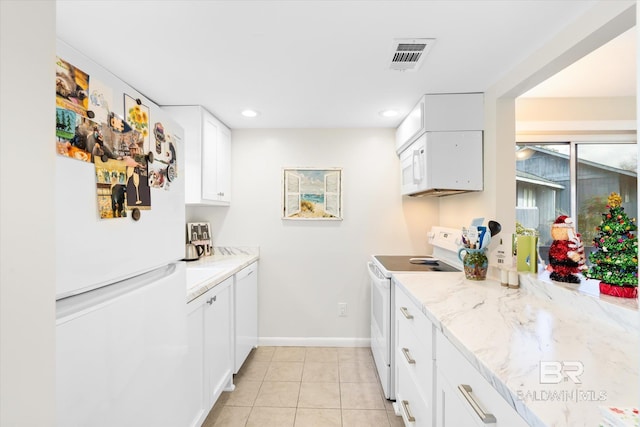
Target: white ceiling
(307,64)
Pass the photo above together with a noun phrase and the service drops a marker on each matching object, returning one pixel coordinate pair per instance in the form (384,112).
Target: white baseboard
(314,342)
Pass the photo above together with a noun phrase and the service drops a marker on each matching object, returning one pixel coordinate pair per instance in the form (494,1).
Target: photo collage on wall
(88,130)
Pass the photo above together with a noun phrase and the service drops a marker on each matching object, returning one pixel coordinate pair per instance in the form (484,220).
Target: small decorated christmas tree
(615,262)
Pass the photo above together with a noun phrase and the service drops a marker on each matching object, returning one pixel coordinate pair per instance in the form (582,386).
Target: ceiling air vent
(408,54)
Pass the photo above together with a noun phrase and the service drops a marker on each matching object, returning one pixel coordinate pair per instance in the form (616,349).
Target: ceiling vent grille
(408,54)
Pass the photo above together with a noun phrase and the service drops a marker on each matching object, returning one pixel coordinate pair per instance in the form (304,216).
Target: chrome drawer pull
(410,360)
(405,312)
(405,407)
(484,417)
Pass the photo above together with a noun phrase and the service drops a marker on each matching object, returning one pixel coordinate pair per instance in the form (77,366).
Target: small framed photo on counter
(199,233)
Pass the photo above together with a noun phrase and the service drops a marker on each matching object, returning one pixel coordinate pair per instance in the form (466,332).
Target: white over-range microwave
(442,163)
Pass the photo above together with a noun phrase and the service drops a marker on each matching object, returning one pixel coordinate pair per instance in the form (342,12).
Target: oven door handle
(380,282)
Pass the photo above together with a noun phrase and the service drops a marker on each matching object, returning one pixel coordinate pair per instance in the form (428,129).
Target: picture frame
(199,233)
(312,194)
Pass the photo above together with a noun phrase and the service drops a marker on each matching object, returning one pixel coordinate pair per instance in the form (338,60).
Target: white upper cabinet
(441,113)
(207,156)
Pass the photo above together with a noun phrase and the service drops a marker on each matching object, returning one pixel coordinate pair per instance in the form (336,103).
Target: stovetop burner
(399,263)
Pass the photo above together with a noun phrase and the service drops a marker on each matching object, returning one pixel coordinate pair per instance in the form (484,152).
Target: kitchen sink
(197,276)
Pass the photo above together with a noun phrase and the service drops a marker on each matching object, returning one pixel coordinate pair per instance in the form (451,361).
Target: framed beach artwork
(312,194)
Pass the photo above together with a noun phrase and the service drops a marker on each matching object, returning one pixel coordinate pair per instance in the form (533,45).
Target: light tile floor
(305,387)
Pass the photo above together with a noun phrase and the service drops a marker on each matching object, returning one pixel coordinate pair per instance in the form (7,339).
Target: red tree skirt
(619,291)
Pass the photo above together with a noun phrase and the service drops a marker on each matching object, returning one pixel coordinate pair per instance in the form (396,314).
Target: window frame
(572,141)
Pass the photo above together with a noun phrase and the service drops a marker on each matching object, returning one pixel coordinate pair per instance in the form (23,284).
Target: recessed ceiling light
(388,113)
(249,113)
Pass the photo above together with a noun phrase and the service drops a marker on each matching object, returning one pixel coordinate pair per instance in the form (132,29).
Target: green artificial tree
(615,262)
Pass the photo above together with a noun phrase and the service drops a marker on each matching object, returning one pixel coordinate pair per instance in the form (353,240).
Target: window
(573,178)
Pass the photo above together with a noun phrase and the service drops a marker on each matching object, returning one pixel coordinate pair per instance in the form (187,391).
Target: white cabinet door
(195,363)
(412,406)
(415,371)
(207,156)
(453,112)
(464,397)
(223,164)
(217,340)
(246,313)
(452,411)
(216,161)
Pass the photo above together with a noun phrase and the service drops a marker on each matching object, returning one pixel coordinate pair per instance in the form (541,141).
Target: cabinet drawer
(458,372)
(416,357)
(414,409)
(410,316)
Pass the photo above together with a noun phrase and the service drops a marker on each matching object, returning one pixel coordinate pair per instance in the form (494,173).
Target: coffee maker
(199,234)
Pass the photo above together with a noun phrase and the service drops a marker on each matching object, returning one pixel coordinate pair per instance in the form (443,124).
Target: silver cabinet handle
(405,408)
(405,312)
(484,417)
(211,300)
(410,360)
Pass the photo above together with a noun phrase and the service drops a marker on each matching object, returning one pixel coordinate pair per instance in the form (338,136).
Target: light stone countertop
(209,271)
(505,333)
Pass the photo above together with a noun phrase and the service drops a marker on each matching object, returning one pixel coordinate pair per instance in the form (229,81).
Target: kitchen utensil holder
(475,263)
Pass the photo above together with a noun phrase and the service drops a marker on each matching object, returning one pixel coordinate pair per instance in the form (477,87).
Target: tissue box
(619,417)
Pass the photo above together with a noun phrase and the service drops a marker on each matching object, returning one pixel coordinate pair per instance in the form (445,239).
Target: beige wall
(570,109)
(308,267)
(27,166)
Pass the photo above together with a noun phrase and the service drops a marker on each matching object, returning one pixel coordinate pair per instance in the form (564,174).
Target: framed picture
(199,233)
(312,194)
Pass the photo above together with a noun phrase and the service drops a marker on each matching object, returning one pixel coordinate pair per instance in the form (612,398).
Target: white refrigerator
(121,340)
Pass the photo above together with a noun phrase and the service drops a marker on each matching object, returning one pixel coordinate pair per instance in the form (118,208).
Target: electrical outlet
(342,309)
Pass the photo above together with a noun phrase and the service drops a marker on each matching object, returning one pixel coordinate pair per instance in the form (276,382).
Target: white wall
(27,270)
(308,267)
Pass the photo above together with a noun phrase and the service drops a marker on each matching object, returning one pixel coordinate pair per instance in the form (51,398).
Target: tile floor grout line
(350,357)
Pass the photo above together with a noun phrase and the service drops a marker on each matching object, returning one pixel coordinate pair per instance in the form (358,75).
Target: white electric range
(445,243)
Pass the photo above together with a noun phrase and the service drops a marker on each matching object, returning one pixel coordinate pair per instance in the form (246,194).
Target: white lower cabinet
(415,366)
(210,346)
(435,384)
(464,397)
(195,364)
(245,313)
(414,409)
(218,364)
